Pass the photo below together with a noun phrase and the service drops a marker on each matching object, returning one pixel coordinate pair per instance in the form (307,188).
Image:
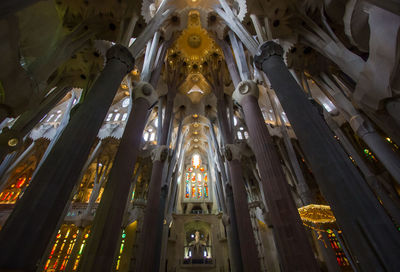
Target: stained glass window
(196,183)
(14,191)
(68,238)
(340,256)
(121,249)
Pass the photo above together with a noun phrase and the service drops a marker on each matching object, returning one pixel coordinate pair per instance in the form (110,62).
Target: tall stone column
(364,129)
(230,220)
(101,248)
(146,260)
(375,184)
(240,208)
(232,232)
(157,196)
(372,237)
(36,215)
(291,239)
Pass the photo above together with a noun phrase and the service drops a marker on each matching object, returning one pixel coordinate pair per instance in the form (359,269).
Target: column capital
(144,90)
(245,88)
(265,51)
(160,153)
(360,125)
(122,54)
(232,152)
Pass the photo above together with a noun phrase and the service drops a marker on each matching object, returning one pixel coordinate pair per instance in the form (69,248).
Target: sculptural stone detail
(265,51)
(122,54)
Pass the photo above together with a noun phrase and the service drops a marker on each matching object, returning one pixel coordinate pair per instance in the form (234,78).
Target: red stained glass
(20,182)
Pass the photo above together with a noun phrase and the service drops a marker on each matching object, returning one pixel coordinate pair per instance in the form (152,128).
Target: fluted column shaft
(154,213)
(146,261)
(291,239)
(374,240)
(248,247)
(231,226)
(36,215)
(239,211)
(106,230)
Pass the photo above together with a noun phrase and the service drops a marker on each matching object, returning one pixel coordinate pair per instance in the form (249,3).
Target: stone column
(237,201)
(374,240)
(232,232)
(36,215)
(364,129)
(159,190)
(229,220)
(146,259)
(106,229)
(375,184)
(291,239)
(248,247)
(327,251)
(301,185)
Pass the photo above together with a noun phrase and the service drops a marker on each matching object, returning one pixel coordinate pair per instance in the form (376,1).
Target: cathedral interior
(199,135)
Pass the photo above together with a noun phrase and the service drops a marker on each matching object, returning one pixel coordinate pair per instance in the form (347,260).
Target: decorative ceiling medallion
(194,43)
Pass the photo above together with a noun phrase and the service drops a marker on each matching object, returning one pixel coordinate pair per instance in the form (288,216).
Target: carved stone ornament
(245,88)
(144,90)
(10,138)
(360,126)
(232,152)
(265,51)
(121,53)
(160,153)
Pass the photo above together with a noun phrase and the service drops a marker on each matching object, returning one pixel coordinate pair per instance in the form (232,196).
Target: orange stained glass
(193,191)
(20,182)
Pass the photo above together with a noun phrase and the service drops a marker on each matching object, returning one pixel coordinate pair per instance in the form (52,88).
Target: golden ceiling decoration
(194,44)
(195,86)
(193,52)
(317,214)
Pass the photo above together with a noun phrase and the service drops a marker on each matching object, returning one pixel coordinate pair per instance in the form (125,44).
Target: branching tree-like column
(29,228)
(371,235)
(100,251)
(291,239)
